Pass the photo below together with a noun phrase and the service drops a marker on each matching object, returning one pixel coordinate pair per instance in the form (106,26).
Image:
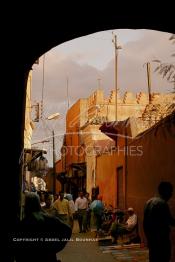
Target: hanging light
(39,167)
(43,163)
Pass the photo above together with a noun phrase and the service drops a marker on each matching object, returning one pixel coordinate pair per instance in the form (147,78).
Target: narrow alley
(98,151)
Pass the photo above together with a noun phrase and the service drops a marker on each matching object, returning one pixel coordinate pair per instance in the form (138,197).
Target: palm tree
(167,70)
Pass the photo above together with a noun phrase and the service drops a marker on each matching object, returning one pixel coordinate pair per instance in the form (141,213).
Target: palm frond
(157,68)
(162,70)
(166,69)
(169,75)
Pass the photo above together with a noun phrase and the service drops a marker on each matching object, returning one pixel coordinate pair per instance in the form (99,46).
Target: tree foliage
(167,70)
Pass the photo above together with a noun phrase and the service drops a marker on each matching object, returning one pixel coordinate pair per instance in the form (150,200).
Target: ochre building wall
(157,163)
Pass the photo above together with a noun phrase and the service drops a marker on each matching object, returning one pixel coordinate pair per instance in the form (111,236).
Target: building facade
(29,125)
(130,175)
(84,139)
(33,162)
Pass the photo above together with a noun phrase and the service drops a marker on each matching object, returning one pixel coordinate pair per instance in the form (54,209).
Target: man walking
(157,222)
(63,208)
(81,205)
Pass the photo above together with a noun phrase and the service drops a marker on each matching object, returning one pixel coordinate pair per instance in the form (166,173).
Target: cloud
(82,77)
(131,73)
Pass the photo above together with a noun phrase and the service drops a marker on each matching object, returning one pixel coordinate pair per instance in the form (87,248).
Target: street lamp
(117,47)
(54,117)
(148,66)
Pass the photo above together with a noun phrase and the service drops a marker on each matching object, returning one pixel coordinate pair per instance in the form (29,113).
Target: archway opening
(80,80)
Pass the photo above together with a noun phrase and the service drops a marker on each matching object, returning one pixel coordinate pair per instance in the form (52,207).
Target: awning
(123,128)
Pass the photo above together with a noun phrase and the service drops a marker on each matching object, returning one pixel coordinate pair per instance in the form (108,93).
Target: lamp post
(148,67)
(116,71)
(51,117)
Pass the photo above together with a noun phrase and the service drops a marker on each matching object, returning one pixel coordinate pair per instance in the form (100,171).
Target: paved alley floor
(85,247)
(126,254)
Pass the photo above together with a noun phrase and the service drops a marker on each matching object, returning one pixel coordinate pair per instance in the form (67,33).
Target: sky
(86,59)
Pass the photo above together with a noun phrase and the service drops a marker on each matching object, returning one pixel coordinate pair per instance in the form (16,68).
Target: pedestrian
(97,209)
(48,208)
(157,222)
(63,208)
(35,229)
(81,205)
(88,212)
(72,209)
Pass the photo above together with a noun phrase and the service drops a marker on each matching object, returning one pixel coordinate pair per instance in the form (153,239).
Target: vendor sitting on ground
(119,228)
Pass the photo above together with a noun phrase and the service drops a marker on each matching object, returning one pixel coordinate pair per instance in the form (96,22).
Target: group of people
(157,220)
(60,205)
(88,213)
(41,233)
(39,209)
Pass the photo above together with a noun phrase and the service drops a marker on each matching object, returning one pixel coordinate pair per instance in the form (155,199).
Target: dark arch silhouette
(30,34)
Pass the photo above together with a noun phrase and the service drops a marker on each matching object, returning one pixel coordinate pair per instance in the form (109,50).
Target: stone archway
(28,39)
